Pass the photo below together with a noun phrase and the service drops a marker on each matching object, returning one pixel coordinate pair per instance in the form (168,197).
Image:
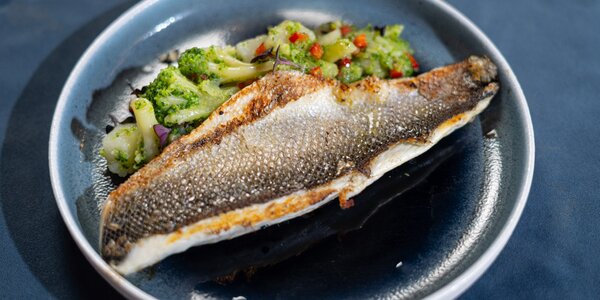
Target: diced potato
(338,50)
(330,37)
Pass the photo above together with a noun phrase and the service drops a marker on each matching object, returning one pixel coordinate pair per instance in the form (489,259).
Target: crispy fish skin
(281,147)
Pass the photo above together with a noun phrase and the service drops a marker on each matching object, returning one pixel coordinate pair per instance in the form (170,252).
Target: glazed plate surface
(428,228)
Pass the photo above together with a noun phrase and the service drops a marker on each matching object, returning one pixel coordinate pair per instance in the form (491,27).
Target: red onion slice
(162,133)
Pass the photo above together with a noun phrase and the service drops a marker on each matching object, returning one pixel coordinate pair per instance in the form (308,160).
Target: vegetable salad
(182,96)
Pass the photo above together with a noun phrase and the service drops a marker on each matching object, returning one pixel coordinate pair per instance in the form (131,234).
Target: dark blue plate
(428,228)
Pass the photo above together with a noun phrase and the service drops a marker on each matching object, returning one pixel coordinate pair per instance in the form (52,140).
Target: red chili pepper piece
(345,30)
(260,49)
(360,41)
(413,61)
(316,71)
(298,37)
(316,51)
(395,73)
(344,62)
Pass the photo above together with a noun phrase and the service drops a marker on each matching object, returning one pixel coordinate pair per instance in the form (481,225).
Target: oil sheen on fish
(279,148)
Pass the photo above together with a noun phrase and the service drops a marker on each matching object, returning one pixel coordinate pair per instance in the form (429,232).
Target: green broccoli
(171,92)
(122,149)
(177,100)
(220,64)
(386,51)
(289,32)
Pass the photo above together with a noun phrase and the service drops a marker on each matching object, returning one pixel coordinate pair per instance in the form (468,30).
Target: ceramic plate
(428,228)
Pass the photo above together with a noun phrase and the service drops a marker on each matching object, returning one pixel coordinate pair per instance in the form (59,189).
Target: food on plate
(280,147)
(183,96)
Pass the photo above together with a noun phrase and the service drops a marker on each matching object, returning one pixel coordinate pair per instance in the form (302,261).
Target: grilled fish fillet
(282,147)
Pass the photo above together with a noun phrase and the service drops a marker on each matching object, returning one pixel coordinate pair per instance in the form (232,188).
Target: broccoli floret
(386,51)
(220,64)
(282,33)
(212,97)
(178,100)
(393,32)
(171,92)
(122,148)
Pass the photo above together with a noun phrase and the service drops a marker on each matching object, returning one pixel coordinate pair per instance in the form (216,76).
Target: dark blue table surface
(551,45)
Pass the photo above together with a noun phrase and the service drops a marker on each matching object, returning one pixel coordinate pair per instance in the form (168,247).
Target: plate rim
(452,289)
(462,282)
